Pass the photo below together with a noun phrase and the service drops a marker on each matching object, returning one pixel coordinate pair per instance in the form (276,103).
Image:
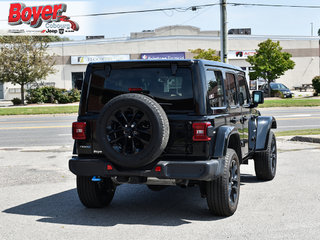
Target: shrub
(74,95)
(35,96)
(316,84)
(52,95)
(49,94)
(62,96)
(16,101)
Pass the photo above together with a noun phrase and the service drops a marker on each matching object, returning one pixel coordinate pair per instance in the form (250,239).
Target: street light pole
(223,31)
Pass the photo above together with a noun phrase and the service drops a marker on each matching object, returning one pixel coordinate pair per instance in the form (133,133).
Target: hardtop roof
(190,61)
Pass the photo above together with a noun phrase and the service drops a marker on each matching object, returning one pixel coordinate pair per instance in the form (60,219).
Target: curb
(305,139)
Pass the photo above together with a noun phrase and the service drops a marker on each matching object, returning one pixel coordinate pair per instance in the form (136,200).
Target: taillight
(135,89)
(200,131)
(79,130)
(158,168)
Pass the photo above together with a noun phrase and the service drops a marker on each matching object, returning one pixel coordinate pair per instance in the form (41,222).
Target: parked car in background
(277,90)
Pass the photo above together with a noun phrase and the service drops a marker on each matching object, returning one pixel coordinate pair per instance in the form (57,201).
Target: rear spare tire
(132,130)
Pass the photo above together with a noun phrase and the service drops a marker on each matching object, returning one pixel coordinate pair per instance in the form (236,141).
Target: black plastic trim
(206,170)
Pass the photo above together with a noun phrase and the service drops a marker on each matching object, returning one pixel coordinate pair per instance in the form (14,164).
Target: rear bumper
(192,170)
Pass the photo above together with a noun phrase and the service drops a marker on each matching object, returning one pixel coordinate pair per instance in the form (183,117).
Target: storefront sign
(99,58)
(34,16)
(241,54)
(159,56)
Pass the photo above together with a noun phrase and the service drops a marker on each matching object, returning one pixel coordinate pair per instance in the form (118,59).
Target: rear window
(172,91)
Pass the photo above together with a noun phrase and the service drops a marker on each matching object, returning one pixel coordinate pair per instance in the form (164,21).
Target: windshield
(278,86)
(172,91)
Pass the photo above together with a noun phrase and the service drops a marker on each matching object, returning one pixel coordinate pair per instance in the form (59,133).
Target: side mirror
(257,98)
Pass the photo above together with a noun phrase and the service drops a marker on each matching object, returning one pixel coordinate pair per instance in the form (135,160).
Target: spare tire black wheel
(132,130)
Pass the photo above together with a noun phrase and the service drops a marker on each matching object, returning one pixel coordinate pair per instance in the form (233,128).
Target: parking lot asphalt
(38,200)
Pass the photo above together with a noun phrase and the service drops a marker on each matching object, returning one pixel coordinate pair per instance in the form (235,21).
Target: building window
(77,79)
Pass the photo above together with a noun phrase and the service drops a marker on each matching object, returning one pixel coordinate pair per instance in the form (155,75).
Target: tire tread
(262,165)
(217,196)
(91,196)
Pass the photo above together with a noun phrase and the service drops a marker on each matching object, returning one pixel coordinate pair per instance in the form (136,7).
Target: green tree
(270,62)
(209,54)
(24,60)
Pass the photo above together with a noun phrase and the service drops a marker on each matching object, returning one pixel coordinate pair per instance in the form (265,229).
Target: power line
(178,9)
(272,5)
(192,8)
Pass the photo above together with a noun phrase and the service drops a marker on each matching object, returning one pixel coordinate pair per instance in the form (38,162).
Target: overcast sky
(262,20)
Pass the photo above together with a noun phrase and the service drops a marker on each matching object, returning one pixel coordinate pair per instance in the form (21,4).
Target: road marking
(16,128)
(299,126)
(296,118)
(296,115)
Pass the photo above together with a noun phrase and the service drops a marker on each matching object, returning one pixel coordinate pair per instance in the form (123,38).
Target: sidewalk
(298,94)
(5,103)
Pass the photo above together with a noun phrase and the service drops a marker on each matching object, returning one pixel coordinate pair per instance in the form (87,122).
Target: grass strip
(299,132)
(74,108)
(290,102)
(38,110)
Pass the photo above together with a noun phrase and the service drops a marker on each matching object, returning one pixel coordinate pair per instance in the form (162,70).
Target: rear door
(234,117)
(244,97)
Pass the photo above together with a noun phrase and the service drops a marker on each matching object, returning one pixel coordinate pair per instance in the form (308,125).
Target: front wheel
(95,194)
(265,163)
(223,193)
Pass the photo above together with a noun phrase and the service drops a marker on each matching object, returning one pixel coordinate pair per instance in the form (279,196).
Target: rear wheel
(265,163)
(95,194)
(223,193)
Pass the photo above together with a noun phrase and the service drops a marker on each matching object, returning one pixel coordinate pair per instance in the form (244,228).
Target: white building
(172,42)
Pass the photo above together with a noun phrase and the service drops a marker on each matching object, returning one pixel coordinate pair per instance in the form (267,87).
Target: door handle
(233,120)
(243,119)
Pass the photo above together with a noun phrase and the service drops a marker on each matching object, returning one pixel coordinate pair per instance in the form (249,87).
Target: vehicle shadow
(248,178)
(134,204)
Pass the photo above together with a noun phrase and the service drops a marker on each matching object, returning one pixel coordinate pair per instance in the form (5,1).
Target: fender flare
(223,135)
(264,124)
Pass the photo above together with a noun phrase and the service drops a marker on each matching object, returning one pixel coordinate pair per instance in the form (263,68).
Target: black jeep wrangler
(175,122)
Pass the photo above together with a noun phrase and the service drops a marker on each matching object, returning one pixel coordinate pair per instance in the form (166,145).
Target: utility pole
(223,31)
